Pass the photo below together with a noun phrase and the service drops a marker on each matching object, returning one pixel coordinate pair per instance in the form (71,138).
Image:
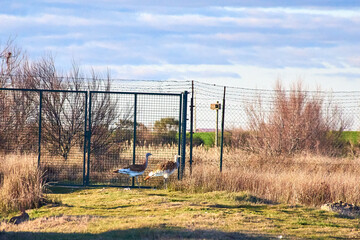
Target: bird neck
(146,161)
(177,161)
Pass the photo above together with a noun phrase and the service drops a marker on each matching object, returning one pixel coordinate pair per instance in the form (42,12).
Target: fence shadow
(137,233)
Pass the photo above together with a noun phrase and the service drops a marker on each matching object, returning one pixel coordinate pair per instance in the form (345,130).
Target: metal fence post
(183,152)
(85,138)
(134,143)
(89,140)
(191,125)
(222,131)
(40,123)
(180,126)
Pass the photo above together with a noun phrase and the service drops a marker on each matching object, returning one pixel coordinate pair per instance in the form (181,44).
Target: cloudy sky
(237,43)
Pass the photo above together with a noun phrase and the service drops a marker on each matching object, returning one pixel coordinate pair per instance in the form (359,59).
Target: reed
(21,183)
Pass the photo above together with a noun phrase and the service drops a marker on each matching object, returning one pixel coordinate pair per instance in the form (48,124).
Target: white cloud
(245,46)
(247,76)
(162,20)
(343,13)
(11,21)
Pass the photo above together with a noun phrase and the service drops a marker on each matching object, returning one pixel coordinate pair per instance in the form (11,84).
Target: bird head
(177,157)
(148,154)
(115,171)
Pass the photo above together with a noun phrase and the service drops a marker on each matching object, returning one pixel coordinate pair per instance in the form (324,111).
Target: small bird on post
(8,58)
(135,170)
(165,169)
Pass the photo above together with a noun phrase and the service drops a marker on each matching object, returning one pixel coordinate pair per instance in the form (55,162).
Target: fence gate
(62,128)
(124,126)
(48,127)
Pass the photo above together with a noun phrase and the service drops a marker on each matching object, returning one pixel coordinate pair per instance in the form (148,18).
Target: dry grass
(111,213)
(21,183)
(302,179)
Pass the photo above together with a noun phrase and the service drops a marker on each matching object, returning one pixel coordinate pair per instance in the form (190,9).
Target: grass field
(253,198)
(111,213)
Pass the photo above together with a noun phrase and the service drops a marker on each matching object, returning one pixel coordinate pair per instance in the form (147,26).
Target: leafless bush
(296,121)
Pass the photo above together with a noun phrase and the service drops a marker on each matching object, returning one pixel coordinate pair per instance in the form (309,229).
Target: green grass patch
(206,139)
(112,213)
(351,136)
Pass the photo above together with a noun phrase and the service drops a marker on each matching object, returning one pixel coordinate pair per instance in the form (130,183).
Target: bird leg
(137,181)
(165,182)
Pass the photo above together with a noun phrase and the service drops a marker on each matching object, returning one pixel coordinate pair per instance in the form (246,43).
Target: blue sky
(237,43)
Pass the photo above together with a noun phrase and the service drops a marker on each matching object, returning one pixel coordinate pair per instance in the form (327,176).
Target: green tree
(165,130)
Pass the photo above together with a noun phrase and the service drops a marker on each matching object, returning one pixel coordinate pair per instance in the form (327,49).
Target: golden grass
(21,183)
(302,179)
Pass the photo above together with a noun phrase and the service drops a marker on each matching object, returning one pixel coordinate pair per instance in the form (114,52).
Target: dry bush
(238,138)
(296,121)
(302,179)
(21,183)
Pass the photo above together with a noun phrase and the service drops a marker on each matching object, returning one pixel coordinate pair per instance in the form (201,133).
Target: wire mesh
(62,136)
(255,119)
(19,117)
(282,121)
(115,144)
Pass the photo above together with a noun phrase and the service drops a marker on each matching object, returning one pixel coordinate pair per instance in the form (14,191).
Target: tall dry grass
(302,179)
(21,183)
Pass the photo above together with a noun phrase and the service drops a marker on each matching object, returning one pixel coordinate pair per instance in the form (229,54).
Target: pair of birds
(164,169)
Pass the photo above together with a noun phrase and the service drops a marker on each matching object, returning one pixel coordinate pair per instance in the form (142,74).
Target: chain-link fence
(140,116)
(136,124)
(278,122)
(81,137)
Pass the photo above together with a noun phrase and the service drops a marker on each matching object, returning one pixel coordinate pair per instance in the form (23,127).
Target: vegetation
(165,130)
(295,122)
(294,153)
(21,183)
(306,178)
(108,213)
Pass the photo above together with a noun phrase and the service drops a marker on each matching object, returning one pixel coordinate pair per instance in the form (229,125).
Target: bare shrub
(296,121)
(21,183)
(237,138)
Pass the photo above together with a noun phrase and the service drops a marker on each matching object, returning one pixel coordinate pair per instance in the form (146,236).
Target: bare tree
(11,59)
(17,111)
(103,115)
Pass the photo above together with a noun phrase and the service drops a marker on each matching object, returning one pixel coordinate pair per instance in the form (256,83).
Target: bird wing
(137,167)
(168,165)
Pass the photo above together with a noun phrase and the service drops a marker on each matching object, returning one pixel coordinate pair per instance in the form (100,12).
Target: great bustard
(135,170)
(165,169)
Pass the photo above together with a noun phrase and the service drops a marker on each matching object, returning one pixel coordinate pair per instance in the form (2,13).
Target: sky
(239,43)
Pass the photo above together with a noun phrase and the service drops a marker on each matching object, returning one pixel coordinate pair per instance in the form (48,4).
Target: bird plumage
(135,170)
(165,169)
